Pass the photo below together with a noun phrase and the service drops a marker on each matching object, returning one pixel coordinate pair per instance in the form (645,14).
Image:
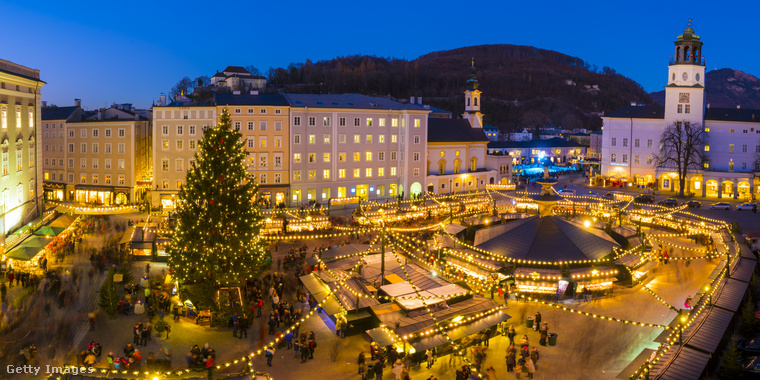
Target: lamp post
(382,249)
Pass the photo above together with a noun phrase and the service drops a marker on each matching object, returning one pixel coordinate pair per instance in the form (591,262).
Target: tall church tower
(472,100)
(685,92)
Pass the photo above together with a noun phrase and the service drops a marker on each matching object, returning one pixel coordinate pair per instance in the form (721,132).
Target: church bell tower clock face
(683,97)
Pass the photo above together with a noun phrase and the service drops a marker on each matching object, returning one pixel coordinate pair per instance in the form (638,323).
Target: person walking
(244,326)
(511,334)
(270,355)
(362,362)
(491,373)
(430,357)
(304,353)
(398,368)
(544,330)
(378,369)
(519,368)
(510,361)
(259,307)
(312,346)
(529,367)
(534,357)
(537,321)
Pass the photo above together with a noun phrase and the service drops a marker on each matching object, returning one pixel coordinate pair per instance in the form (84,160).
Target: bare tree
(253,70)
(682,147)
(184,86)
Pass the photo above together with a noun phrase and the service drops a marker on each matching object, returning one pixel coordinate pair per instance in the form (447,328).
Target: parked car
(752,365)
(694,204)
(745,207)
(720,206)
(566,192)
(669,202)
(644,199)
(752,346)
(609,195)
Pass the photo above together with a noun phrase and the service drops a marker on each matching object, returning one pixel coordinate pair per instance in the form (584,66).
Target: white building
(354,145)
(631,135)
(237,78)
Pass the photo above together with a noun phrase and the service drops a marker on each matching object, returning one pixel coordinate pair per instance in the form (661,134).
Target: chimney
(163,100)
(78,103)
(44,103)
(100,115)
(254,92)
(411,100)
(137,115)
(419,100)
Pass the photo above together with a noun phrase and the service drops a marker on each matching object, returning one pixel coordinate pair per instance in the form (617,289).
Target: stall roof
(710,332)
(391,313)
(49,231)
(447,290)
(744,270)
(731,295)
(28,248)
(454,228)
(688,364)
(142,245)
(127,236)
(416,303)
(419,276)
(379,336)
(63,221)
(137,234)
(314,286)
(398,289)
(344,250)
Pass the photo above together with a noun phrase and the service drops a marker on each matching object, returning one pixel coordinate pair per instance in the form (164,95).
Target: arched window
(473,164)
(468,101)
(457,166)
(686,56)
(441,167)
(678,54)
(476,101)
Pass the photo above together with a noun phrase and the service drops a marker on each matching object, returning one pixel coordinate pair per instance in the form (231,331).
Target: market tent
(380,336)
(49,231)
(461,331)
(63,221)
(29,248)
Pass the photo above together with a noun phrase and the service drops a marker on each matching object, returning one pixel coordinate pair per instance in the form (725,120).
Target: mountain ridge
(726,88)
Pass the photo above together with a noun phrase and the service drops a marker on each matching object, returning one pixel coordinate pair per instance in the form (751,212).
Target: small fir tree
(108,299)
(749,321)
(730,368)
(216,241)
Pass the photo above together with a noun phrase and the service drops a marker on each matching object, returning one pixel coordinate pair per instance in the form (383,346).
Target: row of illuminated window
(636,159)
(94,178)
(731,148)
(84,132)
(262,111)
(6,166)
(357,122)
(18,87)
(121,148)
(251,126)
(251,142)
(19,194)
(4,115)
(361,190)
(636,142)
(177,114)
(263,160)
(357,157)
(357,173)
(180,130)
(83,163)
(357,139)
(179,144)
(683,108)
(263,178)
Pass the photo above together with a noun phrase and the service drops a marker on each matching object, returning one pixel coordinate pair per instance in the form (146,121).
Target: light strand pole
(382,249)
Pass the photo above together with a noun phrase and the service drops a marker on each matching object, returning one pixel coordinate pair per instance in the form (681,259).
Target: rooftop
(251,100)
(453,130)
(547,143)
(357,101)
(658,112)
(58,113)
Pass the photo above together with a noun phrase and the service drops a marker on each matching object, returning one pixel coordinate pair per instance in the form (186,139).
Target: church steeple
(472,100)
(688,48)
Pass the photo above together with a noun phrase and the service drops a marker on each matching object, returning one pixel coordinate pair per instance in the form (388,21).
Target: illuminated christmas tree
(216,242)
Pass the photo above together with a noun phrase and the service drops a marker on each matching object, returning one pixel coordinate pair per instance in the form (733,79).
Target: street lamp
(382,248)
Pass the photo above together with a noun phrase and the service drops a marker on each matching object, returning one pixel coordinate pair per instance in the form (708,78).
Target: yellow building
(262,119)
(178,129)
(108,157)
(20,184)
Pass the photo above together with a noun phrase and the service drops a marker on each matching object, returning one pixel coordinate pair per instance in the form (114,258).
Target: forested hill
(522,86)
(726,88)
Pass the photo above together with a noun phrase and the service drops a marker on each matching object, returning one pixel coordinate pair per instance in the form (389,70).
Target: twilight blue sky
(130,52)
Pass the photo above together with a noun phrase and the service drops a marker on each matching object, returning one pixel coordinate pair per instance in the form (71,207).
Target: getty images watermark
(48,370)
